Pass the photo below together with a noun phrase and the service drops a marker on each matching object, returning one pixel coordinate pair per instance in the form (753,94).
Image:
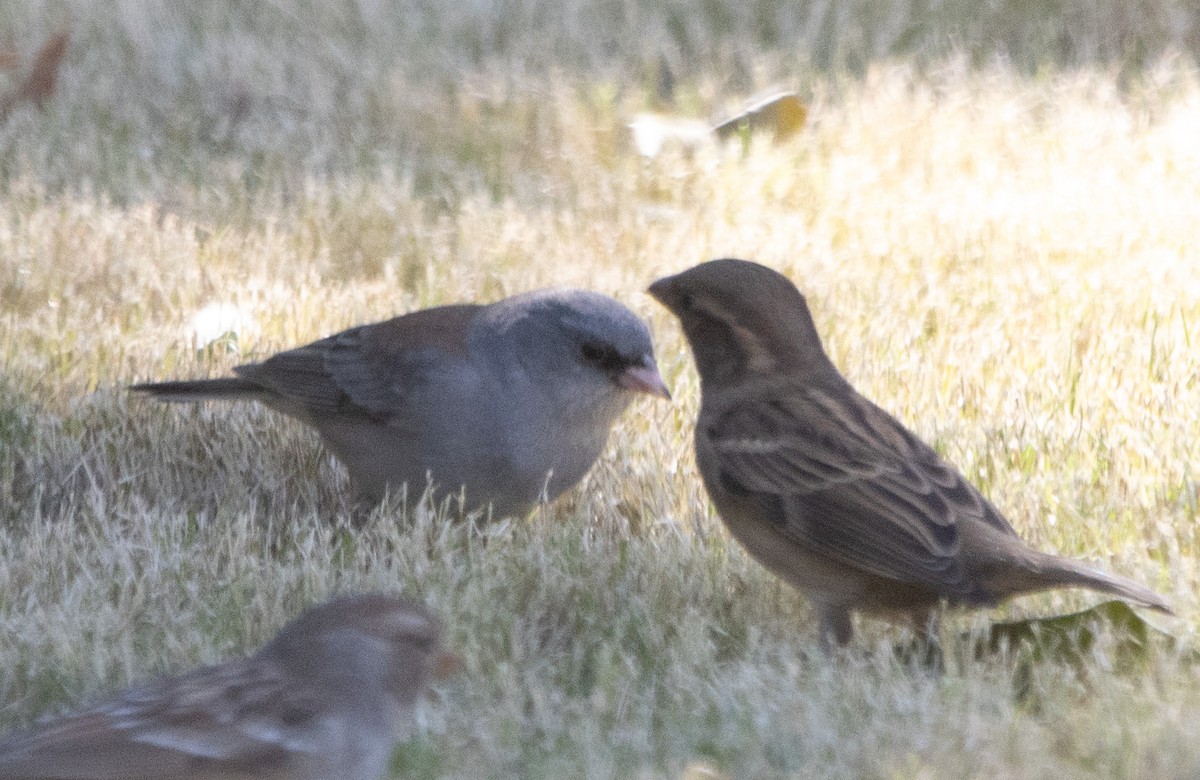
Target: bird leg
(836,630)
(927,624)
(926,650)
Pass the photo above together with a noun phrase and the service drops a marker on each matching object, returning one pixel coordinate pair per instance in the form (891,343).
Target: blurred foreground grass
(993,211)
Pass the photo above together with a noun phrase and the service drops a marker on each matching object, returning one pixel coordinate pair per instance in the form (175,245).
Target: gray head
(582,337)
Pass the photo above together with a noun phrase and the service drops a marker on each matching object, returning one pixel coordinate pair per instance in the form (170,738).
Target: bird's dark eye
(685,302)
(601,355)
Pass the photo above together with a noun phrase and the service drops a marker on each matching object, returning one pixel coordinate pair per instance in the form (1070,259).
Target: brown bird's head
(371,636)
(742,318)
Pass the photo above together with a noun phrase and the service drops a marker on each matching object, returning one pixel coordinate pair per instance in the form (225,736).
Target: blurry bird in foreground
(511,402)
(826,489)
(781,114)
(325,699)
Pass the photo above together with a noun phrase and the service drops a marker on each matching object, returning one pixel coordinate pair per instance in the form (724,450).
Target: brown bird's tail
(1050,571)
(201,390)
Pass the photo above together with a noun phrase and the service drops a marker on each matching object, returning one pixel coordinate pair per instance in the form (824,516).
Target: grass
(993,213)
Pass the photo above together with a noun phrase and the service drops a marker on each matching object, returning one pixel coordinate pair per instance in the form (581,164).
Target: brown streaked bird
(827,490)
(511,401)
(324,699)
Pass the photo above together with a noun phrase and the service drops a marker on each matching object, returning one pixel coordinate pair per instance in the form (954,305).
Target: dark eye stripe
(603,356)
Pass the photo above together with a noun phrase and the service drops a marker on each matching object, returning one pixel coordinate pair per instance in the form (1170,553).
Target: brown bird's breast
(818,577)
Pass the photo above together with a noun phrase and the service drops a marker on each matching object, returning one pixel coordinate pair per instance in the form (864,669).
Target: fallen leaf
(651,132)
(40,83)
(44,75)
(782,114)
(1070,639)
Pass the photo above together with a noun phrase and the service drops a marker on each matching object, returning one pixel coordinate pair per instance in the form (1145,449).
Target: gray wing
(367,369)
(234,721)
(847,481)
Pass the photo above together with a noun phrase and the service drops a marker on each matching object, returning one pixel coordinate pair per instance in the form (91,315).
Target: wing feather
(852,484)
(238,720)
(368,369)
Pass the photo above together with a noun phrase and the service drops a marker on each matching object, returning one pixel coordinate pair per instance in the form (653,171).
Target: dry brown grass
(1001,253)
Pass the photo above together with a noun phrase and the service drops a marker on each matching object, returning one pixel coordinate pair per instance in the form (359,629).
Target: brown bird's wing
(233,721)
(847,481)
(365,369)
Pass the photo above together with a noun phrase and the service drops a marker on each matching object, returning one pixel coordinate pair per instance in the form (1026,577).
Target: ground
(993,212)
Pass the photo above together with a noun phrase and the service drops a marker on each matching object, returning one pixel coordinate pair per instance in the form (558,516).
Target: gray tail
(201,389)
(1057,572)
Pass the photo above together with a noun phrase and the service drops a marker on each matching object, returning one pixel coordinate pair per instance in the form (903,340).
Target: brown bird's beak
(644,379)
(663,292)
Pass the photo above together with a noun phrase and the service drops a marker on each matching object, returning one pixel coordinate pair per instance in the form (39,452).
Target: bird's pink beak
(644,379)
(446,664)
